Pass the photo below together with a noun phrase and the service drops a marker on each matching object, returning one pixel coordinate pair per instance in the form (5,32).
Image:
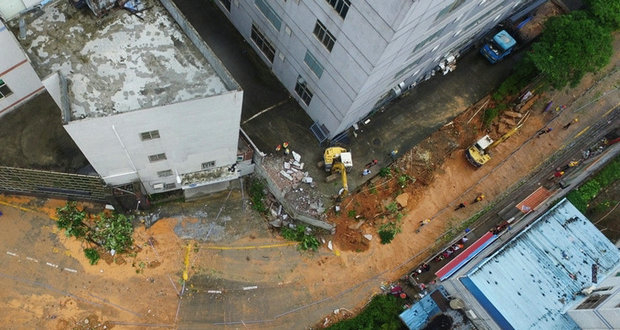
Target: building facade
(600,308)
(342,58)
(18,80)
(144,98)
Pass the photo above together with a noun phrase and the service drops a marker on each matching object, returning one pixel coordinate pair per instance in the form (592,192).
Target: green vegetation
(381,313)
(571,46)
(582,196)
(92,255)
(109,231)
(606,12)
(388,231)
(392,207)
(257,194)
(385,172)
(351,213)
(306,242)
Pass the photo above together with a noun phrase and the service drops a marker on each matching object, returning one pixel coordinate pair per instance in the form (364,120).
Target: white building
(342,58)
(145,100)
(600,309)
(18,80)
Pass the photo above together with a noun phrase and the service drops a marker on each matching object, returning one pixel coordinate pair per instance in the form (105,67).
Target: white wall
(191,133)
(16,71)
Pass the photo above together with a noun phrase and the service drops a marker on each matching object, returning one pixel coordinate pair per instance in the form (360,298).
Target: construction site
(242,273)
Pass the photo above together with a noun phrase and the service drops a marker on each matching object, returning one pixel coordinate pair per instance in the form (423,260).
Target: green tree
(607,12)
(381,313)
(571,46)
(71,220)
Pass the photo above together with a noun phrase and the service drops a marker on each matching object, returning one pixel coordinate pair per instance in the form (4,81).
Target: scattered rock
(329,245)
(368,237)
(402,199)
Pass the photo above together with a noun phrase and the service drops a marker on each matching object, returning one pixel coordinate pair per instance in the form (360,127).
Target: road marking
(51,264)
(214,291)
(246,288)
(248,247)
(582,131)
(11,254)
(70,270)
(27,209)
(32,259)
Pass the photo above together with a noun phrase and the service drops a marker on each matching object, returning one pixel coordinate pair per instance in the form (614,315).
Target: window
(301,88)
(4,90)
(263,43)
(326,38)
(170,185)
(450,8)
(157,157)
(163,174)
(208,165)
(593,301)
(313,64)
(269,13)
(150,135)
(341,6)
(226,4)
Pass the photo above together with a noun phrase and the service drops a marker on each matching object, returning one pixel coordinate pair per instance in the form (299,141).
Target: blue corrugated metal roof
(422,311)
(533,279)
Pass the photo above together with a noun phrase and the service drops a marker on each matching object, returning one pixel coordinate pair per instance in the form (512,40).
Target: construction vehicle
(521,29)
(478,154)
(337,160)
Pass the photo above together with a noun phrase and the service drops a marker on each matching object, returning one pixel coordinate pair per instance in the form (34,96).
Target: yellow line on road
(25,209)
(248,247)
(582,131)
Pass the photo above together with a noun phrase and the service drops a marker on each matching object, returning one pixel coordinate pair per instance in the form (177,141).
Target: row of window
(320,32)
(4,90)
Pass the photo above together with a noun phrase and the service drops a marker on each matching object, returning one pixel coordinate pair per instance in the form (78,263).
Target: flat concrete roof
(117,63)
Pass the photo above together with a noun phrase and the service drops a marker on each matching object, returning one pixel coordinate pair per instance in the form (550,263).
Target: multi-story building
(342,58)
(18,80)
(144,99)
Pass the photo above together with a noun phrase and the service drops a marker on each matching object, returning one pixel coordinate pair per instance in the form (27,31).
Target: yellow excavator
(338,160)
(478,154)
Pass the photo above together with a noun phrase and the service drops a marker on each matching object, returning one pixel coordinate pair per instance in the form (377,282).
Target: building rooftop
(532,280)
(119,62)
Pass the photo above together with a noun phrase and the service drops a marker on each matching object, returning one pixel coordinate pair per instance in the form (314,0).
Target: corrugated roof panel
(533,200)
(535,277)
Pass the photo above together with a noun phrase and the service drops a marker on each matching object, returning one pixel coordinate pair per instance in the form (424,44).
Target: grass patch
(381,313)
(257,194)
(582,196)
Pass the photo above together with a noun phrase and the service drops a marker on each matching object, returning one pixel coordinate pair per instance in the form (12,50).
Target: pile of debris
(295,186)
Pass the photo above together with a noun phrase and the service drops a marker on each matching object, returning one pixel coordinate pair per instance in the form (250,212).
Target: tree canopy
(571,46)
(607,12)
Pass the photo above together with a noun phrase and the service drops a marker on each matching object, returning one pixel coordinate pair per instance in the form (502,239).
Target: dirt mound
(374,204)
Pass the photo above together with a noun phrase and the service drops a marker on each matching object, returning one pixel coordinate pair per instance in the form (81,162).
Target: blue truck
(521,28)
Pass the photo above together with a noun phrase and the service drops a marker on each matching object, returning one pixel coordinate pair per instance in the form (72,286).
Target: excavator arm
(339,167)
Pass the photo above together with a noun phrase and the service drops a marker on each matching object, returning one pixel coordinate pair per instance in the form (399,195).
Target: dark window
(170,185)
(226,4)
(150,135)
(593,301)
(301,88)
(163,174)
(208,165)
(313,64)
(341,6)
(157,157)
(269,13)
(4,90)
(263,43)
(326,38)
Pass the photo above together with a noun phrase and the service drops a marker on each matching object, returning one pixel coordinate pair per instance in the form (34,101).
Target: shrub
(385,172)
(381,313)
(92,255)
(387,232)
(306,242)
(257,194)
